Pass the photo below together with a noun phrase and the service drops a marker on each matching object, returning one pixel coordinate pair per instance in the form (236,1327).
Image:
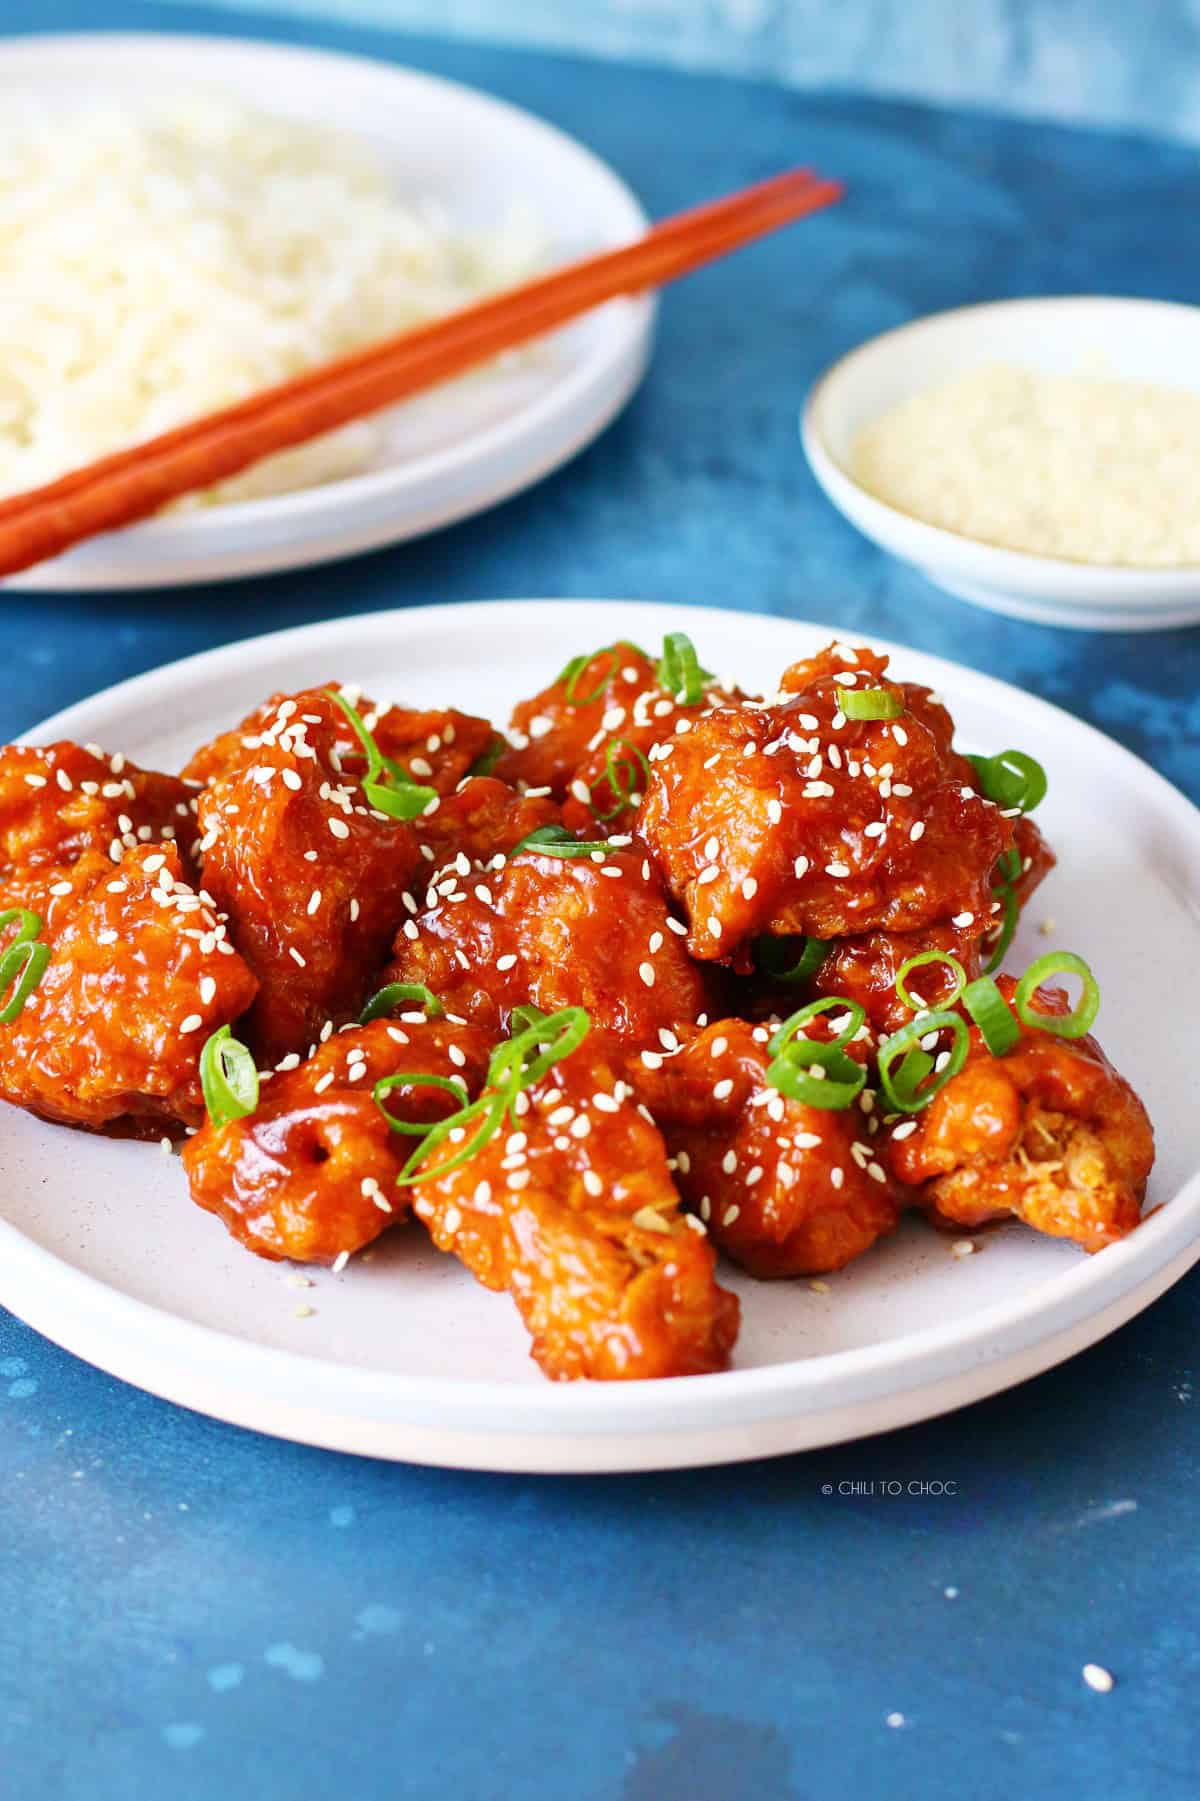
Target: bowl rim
(936,546)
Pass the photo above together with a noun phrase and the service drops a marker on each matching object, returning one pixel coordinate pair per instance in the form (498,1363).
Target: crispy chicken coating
(562,737)
(311,1174)
(437,746)
(557,932)
(312,879)
(482,819)
(789,818)
(785,1189)
(1050,1133)
(141,971)
(59,800)
(576,1215)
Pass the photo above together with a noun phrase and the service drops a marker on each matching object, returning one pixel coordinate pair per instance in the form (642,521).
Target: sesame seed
(730,1215)
(837,1177)
(774,811)
(723,1089)
(749,888)
(340,1261)
(314,901)
(1098,1678)
(714,928)
(962,1247)
(820,1288)
(291,779)
(906,1130)
(592,1182)
(339,828)
(652,1060)
(296,956)
(518,1179)
(677,926)
(837,869)
(917,831)
(647,1220)
(800,868)
(729,1162)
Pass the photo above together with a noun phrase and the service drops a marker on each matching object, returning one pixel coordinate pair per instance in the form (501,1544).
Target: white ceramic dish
(405,1356)
(443,456)
(1146,340)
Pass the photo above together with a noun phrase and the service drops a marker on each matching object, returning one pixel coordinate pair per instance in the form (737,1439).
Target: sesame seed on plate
(1098,1678)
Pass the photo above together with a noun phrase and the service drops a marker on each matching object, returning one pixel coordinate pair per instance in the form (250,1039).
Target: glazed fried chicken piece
(864,969)
(311,877)
(576,1215)
(562,737)
(59,800)
(437,746)
(311,1173)
(482,819)
(141,970)
(557,932)
(785,1189)
(790,818)
(1050,1132)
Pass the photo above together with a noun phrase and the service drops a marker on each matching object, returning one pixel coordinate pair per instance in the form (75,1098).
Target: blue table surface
(191,1610)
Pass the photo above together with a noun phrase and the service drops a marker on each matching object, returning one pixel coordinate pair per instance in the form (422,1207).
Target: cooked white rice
(155,265)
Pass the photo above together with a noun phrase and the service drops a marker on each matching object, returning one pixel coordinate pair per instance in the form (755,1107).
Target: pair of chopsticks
(130,484)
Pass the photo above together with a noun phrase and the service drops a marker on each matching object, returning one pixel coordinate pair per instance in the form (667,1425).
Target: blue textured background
(187,1610)
(1114,62)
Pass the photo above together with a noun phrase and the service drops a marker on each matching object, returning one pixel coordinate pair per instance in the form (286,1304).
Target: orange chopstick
(130,484)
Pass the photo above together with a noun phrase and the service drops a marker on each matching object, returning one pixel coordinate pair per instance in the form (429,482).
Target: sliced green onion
(569,676)
(926,957)
(228,1077)
(515,1065)
(29,924)
(489,1108)
(795,1074)
(487,759)
(870,703)
(23,963)
(915,1084)
(790,959)
(556,841)
(421,1079)
(1011,779)
(524,1016)
(1007,896)
(1069,1025)
(991,1013)
(785,1038)
(621,774)
(385,1000)
(386,786)
(561,1033)
(679,670)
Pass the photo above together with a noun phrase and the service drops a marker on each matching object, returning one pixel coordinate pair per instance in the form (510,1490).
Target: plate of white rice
(186,220)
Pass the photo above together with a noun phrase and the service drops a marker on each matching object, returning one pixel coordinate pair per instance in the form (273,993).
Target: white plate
(443,456)
(406,1357)
(1142,340)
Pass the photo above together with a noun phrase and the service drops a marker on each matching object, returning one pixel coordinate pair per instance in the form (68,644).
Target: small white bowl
(1144,340)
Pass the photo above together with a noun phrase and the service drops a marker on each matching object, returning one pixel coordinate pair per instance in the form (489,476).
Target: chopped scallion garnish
(991,1013)
(624,765)
(228,1077)
(918,1079)
(870,703)
(790,959)
(387,999)
(22,962)
(817,1071)
(515,1065)
(928,957)
(556,841)
(679,670)
(386,786)
(1061,1025)
(1011,779)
